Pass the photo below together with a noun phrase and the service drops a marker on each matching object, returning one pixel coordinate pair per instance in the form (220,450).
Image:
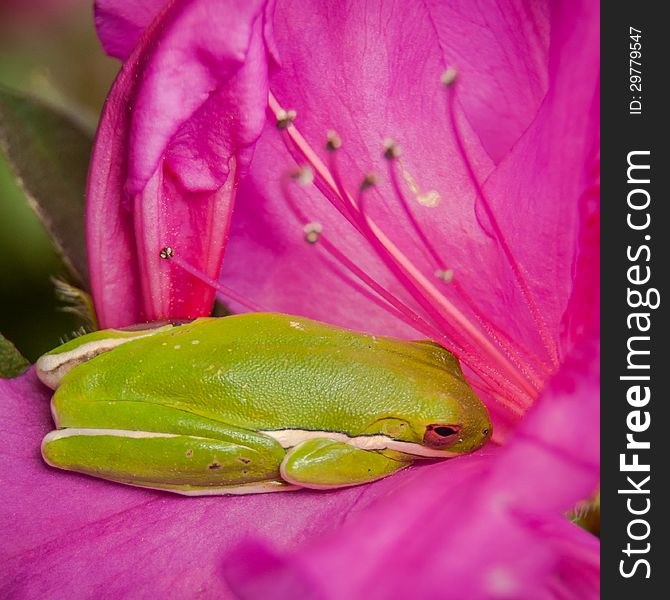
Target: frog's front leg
(156,446)
(325,464)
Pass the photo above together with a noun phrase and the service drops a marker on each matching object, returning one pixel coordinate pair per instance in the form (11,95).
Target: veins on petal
(448,79)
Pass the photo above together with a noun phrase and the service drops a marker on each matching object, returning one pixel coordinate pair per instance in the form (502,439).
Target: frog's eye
(439,436)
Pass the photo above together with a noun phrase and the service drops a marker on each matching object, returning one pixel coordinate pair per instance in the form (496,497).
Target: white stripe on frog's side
(51,368)
(240,490)
(59,434)
(287,438)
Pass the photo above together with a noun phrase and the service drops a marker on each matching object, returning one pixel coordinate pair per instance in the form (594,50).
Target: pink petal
(507,57)
(363,89)
(489,529)
(549,182)
(500,51)
(364,67)
(120,23)
(162,174)
(86,537)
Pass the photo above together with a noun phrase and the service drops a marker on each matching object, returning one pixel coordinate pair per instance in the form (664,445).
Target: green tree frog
(252,403)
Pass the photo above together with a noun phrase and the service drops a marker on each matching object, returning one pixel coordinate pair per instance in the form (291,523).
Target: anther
(166,253)
(285,118)
(391,150)
(448,76)
(333,141)
(445,275)
(303,175)
(368,181)
(312,232)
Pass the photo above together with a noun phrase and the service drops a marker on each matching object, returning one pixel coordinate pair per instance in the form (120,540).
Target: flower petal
(146,543)
(536,207)
(500,52)
(481,533)
(176,135)
(549,183)
(364,67)
(120,23)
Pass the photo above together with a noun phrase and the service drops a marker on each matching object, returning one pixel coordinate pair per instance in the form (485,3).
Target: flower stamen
(333,141)
(448,77)
(301,151)
(441,310)
(303,175)
(395,185)
(445,273)
(444,315)
(384,298)
(370,180)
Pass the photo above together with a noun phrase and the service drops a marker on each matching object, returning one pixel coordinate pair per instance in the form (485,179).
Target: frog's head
(448,424)
(441,424)
(454,423)
(442,416)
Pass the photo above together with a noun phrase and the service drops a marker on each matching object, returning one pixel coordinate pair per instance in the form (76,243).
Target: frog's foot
(185,464)
(323,464)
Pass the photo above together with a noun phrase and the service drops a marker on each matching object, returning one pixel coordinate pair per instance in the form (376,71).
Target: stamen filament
(347,199)
(514,393)
(393,176)
(392,304)
(305,150)
(440,307)
(455,285)
(372,297)
(420,287)
(410,317)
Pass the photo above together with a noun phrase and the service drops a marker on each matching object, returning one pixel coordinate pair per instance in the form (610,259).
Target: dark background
(50,51)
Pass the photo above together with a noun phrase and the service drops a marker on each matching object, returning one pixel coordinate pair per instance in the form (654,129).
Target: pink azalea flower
(483,234)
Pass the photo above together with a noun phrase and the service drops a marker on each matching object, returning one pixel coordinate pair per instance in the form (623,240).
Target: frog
(254,403)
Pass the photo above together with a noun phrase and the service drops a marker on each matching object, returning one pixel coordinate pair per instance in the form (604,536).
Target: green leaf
(48,154)
(12,363)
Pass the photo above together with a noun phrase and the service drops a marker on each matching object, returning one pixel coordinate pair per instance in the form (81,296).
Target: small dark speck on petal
(215,465)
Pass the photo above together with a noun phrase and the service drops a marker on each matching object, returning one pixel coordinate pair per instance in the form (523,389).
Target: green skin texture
(215,384)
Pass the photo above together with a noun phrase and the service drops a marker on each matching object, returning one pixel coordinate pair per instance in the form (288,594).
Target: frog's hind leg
(159,446)
(179,463)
